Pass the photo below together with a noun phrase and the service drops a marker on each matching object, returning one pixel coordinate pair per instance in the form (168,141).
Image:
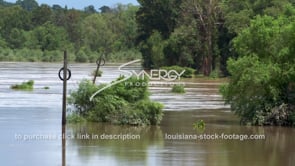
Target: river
(30,125)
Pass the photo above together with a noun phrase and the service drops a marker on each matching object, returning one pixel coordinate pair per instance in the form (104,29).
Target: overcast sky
(83,3)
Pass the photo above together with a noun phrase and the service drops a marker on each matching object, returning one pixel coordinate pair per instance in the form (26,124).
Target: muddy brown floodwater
(30,127)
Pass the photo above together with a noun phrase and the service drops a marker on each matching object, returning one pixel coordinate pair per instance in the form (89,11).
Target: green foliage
(178,88)
(123,56)
(6,54)
(17,38)
(98,36)
(49,37)
(27,4)
(153,50)
(75,118)
(155,28)
(29,85)
(182,44)
(152,111)
(189,72)
(28,27)
(149,18)
(199,125)
(41,15)
(97,73)
(52,56)
(214,74)
(258,88)
(28,55)
(184,33)
(123,103)
(81,57)
(244,11)
(13,18)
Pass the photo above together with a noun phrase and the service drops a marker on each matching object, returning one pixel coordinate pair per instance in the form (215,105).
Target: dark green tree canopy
(28,4)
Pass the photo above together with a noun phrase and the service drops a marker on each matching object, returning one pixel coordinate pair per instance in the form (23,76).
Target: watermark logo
(153,75)
(157,75)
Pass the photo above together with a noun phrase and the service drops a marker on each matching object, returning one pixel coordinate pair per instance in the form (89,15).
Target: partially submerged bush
(189,72)
(178,88)
(214,74)
(29,85)
(258,93)
(97,73)
(123,103)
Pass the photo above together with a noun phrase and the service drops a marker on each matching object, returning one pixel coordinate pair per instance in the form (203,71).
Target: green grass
(29,85)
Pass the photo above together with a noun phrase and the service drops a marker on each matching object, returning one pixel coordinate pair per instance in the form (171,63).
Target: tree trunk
(208,59)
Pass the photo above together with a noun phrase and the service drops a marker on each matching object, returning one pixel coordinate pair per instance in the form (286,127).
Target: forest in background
(33,32)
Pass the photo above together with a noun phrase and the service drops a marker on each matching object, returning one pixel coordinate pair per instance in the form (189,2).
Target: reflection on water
(103,150)
(63,144)
(154,148)
(28,113)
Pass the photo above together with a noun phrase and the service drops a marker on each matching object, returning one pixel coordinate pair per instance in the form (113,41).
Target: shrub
(52,56)
(123,56)
(97,73)
(75,118)
(80,98)
(214,74)
(178,88)
(189,72)
(151,111)
(123,103)
(81,57)
(28,55)
(7,54)
(24,86)
(256,92)
(199,125)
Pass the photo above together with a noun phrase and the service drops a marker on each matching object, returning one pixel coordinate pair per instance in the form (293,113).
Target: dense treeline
(34,32)
(198,33)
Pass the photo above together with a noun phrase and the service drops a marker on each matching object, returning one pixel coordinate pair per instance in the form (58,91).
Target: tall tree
(71,23)
(206,14)
(160,15)
(155,15)
(49,37)
(258,90)
(14,17)
(237,15)
(27,4)
(96,34)
(41,15)
(90,9)
(105,9)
